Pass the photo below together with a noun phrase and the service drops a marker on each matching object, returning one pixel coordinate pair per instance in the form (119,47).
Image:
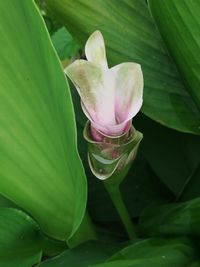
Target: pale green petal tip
(95,35)
(95,49)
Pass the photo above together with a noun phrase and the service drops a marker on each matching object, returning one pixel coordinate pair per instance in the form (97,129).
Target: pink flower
(110,97)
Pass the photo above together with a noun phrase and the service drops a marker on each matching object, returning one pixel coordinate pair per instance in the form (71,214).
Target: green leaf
(19,239)
(65,45)
(179,24)
(40,169)
(173,219)
(131,35)
(88,253)
(173,156)
(6,203)
(52,247)
(194,264)
(192,188)
(153,252)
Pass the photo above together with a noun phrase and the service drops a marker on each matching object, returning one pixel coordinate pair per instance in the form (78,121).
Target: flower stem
(118,202)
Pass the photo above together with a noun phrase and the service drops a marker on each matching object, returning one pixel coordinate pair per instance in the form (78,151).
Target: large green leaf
(179,24)
(153,252)
(82,256)
(173,219)
(131,35)
(150,252)
(20,242)
(40,169)
(173,156)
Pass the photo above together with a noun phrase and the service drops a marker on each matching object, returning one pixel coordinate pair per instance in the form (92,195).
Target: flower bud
(108,155)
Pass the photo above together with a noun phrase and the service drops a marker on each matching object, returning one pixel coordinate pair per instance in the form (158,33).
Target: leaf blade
(19,239)
(40,168)
(179,25)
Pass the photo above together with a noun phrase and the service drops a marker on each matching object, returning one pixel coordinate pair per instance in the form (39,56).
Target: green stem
(118,202)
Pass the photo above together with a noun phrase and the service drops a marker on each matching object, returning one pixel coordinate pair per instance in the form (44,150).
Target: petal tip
(95,49)
(94,35)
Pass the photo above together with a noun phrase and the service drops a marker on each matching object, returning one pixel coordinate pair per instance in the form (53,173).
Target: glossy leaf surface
(40,169)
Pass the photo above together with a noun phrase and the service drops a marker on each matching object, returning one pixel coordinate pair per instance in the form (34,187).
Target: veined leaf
(84,255)
(40,169)
(179,24)
(153,252)
(131,35)
(20,243)
(172,219)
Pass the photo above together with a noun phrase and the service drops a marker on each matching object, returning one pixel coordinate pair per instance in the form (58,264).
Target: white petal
(128,90)
(92,83)
(95,50)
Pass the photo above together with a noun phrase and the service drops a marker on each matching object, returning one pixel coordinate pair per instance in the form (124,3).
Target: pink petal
(128,90)
(95,90)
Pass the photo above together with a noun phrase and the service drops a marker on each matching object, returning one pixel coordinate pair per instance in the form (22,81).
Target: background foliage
(42,181)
